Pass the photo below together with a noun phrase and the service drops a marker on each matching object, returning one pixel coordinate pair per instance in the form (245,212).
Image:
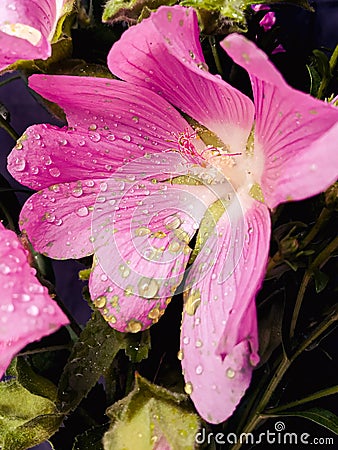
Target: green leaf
(320,416)
(151,417)
(137,346)
(332,390)
(34,383)
(91,356)
(321,280)
(26,419)
(91,439)
(314,80)
(130,11)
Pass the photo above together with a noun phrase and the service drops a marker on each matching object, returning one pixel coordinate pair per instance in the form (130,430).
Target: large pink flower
(27,311)
(27,28)
(104,189)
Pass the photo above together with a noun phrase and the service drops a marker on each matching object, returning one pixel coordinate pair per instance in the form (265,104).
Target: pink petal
(141,230)
(268,21)
(219,332)
(26,29)
(163,53)
(296,132)
(27,311)
(57,220)
(110,123)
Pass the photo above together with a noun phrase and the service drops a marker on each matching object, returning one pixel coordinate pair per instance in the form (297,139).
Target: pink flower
(27,28)
(27,311)
(268,21)
(124,140)
(260,7)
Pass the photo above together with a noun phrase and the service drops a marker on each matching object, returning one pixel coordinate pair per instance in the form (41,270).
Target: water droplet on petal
(199,369)
(148,287)
(111,137)
(33,310)
(55,172)
(20,164)
(83,211)
(95,137)
(230,373)
(92,127)
(188,388)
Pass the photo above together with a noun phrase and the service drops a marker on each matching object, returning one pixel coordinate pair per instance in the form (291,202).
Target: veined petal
(110,123)
(27,311)
(163,53)
(141,230)
(57,220)
(26,29)
(219,341)
(296,132)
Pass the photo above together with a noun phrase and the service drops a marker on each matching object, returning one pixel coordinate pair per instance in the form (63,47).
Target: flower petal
(296,132)
(57,220)
(110,123)
(219,332)
(26,29)
(27,311)
(163,53)
(142,229)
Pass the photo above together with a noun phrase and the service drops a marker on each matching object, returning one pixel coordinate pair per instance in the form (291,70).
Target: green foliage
(91,356)
(151,417)
(28,416)
(320,416)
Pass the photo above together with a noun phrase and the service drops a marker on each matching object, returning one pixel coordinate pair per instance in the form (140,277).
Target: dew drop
(186,340)
(127,138)
(55,172)
(77,191)
(33,310)
(199,369)
(94,137)
(20,164)
(230,373)
(92,127)
(83,211)
(148,287)
(188,388)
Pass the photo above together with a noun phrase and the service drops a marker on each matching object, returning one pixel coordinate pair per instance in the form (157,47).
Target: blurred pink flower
(27,28)
(27,313)
(124,139)
(268,21)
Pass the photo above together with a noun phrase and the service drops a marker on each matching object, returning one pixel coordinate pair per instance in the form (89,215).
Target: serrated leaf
(26,419)
(151,417)
(130,10)
(321,280)
(137,346)
(90,357)
(33,432)
(320,416)
(91,439)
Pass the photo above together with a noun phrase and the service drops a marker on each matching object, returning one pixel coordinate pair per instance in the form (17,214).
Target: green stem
(7,127)
(324,216)
(323,393)
(326,80)
(318,262)
(334,59)
(8,80)
(212,42)
(53,348)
